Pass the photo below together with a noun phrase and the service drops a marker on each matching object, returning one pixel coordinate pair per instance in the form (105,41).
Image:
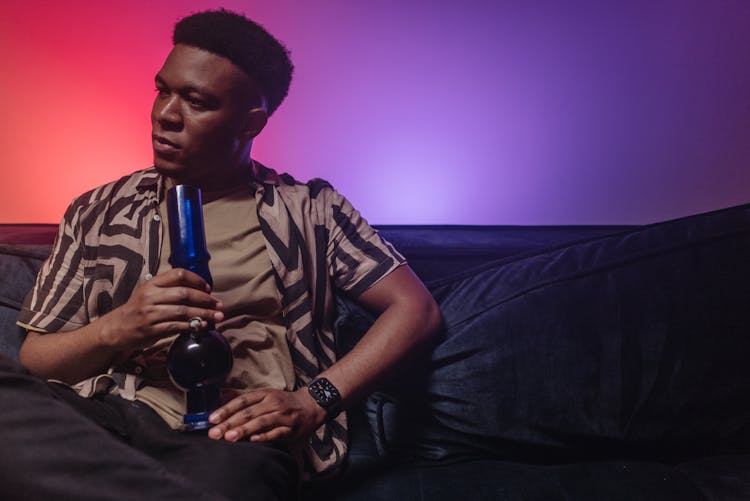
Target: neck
(222,181)
(236,172)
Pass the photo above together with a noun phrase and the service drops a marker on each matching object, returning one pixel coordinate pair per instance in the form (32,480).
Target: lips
(164,145)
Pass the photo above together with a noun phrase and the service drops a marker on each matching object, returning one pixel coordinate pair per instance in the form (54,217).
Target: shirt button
(148,276)
(138,369)
(157,217)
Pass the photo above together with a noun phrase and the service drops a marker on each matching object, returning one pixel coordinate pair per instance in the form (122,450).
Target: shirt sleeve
(358,256)
(55,303)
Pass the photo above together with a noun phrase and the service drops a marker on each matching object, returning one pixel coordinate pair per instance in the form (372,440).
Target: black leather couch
(576,363)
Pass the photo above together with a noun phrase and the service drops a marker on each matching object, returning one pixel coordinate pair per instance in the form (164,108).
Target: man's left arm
(408,317)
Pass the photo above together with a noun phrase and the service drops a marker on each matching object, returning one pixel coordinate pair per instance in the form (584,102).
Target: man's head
(244,42)
(218,85)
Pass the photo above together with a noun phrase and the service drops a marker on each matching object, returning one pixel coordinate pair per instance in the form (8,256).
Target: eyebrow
(184,90)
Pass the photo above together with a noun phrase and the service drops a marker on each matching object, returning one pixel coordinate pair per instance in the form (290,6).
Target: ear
(255,120)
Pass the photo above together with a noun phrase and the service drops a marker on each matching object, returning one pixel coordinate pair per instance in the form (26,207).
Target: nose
(166,111)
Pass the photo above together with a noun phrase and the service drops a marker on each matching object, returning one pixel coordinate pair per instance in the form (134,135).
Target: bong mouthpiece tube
(186,231)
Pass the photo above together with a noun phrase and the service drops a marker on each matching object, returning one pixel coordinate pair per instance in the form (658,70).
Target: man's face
(199,116)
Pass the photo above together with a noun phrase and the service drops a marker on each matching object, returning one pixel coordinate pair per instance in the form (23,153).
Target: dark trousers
(57,445)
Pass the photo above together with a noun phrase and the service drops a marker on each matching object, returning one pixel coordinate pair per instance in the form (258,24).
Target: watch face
(323,391)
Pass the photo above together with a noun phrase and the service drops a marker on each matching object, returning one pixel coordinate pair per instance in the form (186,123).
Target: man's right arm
(158,308)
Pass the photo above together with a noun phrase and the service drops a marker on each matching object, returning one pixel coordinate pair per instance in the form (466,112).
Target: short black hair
(244,42)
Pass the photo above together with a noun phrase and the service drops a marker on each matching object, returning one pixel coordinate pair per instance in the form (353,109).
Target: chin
(168,167)
(178,173)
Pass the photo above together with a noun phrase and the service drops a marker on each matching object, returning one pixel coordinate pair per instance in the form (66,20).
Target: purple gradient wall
(473,112)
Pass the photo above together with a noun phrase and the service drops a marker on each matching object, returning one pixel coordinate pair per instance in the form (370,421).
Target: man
(106,304)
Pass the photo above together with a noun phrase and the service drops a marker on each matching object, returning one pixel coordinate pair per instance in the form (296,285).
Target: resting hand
(265,415)
(159,308)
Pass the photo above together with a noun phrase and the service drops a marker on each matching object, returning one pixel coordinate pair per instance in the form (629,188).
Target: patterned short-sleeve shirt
(109,242)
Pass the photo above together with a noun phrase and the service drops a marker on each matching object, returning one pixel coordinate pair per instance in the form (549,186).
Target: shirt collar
(263,175)
(150,183)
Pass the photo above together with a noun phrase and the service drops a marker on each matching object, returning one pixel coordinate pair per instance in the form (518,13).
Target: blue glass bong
(199,359)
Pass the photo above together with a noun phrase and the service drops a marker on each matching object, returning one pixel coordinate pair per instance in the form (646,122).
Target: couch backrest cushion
(19,264)
(630,342)
(435,252)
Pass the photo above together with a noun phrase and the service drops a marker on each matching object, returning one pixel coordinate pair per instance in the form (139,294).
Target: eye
(196,103)
(161,92)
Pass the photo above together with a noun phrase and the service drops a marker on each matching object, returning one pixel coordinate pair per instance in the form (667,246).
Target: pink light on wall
(419,111)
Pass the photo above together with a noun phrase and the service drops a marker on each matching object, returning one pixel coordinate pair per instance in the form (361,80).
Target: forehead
(188,66)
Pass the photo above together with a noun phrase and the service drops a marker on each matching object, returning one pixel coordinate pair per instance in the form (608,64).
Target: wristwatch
(327,396)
